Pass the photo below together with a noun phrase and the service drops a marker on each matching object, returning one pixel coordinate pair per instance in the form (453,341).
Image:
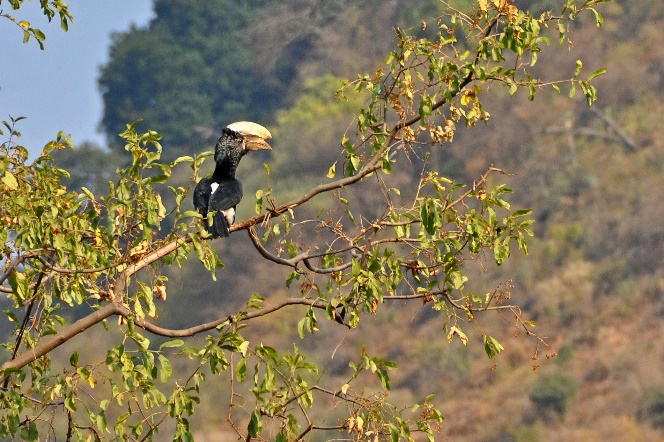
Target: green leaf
(522,212)
(39,35)
(532,90)
(190,213)
(241,370)
(166,369)
(255,424)
(513,88)
(301,325)
(20,285)
(491,346)
(599,20)
(384,378)
(30,432)
(597,73)
(182,159)
(88,193)
(172,344)
(101,422)
(10,181)
(577,70)
(256,301)
(355,161)
(242,348)
(291,277)
(70,403)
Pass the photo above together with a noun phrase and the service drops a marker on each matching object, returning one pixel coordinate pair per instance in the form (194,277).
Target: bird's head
(252,135)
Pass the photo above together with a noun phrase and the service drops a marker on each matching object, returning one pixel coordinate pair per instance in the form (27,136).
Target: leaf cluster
(50,8)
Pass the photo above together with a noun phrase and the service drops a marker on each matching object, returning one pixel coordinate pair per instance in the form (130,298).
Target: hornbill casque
(219,194)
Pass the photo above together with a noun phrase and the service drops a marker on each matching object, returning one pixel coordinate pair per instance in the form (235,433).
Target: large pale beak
(254,135)
(252,142)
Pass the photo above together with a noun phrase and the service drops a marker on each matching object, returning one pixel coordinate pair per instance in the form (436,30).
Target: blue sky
(56,89)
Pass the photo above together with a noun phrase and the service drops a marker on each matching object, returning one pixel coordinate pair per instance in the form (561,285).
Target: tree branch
(59,338)
(15,264)
(626,139)
(63,270)
(267,255)
(191,331)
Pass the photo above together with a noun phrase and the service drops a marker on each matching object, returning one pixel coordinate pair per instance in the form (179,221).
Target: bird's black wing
(225,196)
(202,194)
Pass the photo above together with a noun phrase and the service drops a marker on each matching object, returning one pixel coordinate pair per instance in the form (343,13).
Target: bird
(217,196)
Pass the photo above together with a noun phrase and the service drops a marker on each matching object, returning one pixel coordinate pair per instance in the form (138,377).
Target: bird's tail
(219,226)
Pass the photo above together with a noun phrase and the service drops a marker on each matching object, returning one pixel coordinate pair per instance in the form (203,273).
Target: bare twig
(191,331)
(629,143)
(64,270)
(15,264)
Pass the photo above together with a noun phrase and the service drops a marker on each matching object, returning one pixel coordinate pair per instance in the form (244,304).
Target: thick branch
(60,338)
(155,255)
(324,271)
(269,256)
(368,168)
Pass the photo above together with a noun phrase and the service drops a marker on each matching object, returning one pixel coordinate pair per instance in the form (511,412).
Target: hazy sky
(56,89)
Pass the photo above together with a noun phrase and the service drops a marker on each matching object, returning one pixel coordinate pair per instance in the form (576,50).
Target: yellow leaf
(10,180)
(359,423)
(462,336)
(465,99)
(483,5)
(159,291)
(332,171)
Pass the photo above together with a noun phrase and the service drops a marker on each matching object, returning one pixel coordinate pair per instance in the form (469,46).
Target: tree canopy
(78,258)
(190,68)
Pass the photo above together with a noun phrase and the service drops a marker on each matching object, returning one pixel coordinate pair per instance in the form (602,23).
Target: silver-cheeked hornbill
(219,194)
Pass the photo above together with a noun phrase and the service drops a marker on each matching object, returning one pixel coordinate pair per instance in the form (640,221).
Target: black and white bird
(216,197)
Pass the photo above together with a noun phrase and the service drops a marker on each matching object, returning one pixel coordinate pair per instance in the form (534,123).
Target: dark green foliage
(190,69)
(553,392)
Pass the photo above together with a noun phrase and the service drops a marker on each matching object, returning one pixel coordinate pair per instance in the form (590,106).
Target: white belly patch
(230,215)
